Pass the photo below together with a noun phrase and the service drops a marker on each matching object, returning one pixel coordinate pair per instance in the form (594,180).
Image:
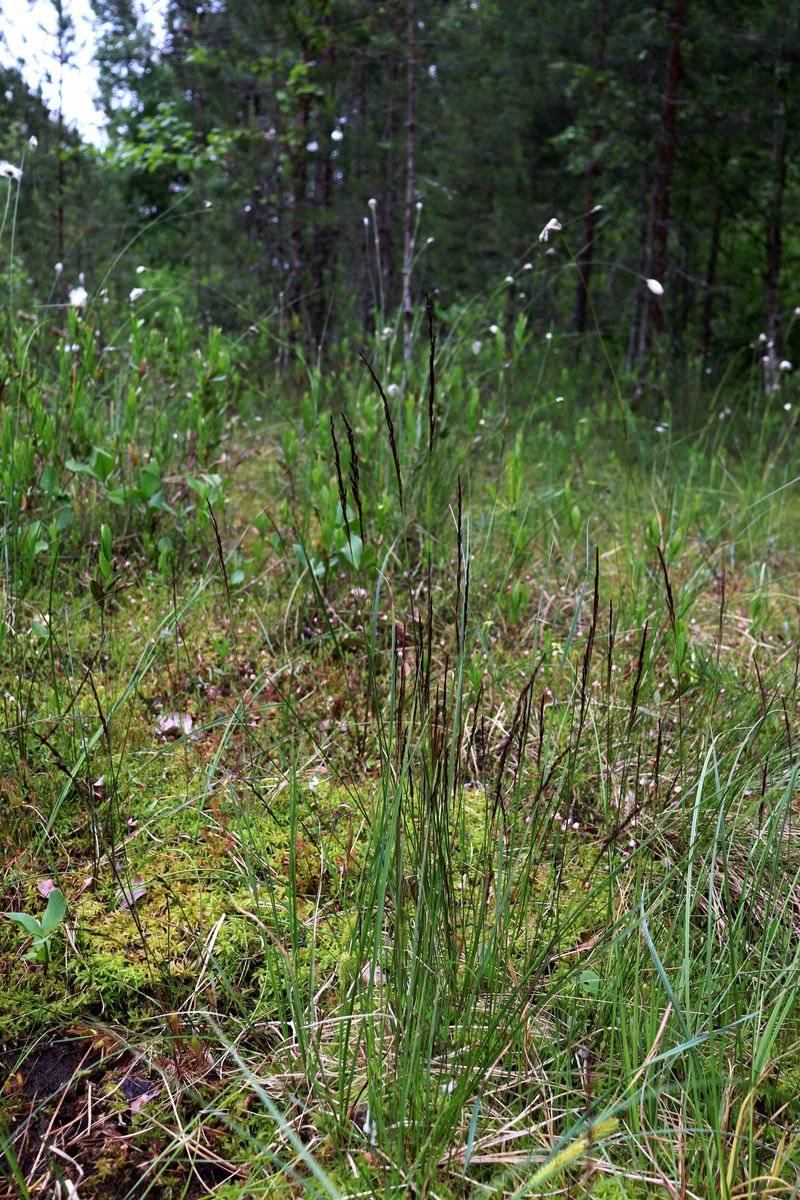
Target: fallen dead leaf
(127,894)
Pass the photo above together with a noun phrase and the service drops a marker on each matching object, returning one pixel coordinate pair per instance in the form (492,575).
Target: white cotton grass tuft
(140,269)
(136,294)
(509,279)
(476,346)
(372,203)
(336,135)
(33,142)
(58,268)
(10,171)
(548,337)
(494,329)
(370,1129)
(312,147)
(78,297)
(784,365)
(552,226)
(655,287)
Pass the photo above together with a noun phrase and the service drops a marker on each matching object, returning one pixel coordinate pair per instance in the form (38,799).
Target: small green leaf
(55,912)
(28,923)
(352,551)
(102,463)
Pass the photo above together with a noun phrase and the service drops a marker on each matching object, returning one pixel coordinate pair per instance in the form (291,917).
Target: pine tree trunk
(591,213)
(772,273)
(711,278)
(658,223)
(408,213)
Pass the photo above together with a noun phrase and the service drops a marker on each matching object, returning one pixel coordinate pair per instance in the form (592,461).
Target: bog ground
(420,776)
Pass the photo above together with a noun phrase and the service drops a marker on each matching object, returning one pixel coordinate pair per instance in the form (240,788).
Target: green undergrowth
(425,808)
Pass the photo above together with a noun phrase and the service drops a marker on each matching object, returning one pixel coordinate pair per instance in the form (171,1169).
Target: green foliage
(41,929)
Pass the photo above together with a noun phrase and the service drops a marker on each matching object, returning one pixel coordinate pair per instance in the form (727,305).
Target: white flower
(655,287)
(136,294)
(797,311)
(661,428)
(336,135)
(206,204)
(372,203)
(508,279)
(548,337)
(387,331)
(559,399)
(140,269)
(58,268)
(784,365)
(392,389)
(762,337)
(10,171)
(476,347)
(597,208)
(33,141)
(312,147)
(552,226)
(429,241)
(366,222)
(494,329)
(78,297)
(527,266)
(787,406)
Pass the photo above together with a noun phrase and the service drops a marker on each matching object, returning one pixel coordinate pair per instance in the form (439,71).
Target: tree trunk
(61,34)
(299,186)
(586,255)
(586,251)
(772,272)
(658,224)
(408,214)
(711,278)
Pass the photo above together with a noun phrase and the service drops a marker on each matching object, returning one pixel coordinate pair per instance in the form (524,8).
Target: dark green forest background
(317,168)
